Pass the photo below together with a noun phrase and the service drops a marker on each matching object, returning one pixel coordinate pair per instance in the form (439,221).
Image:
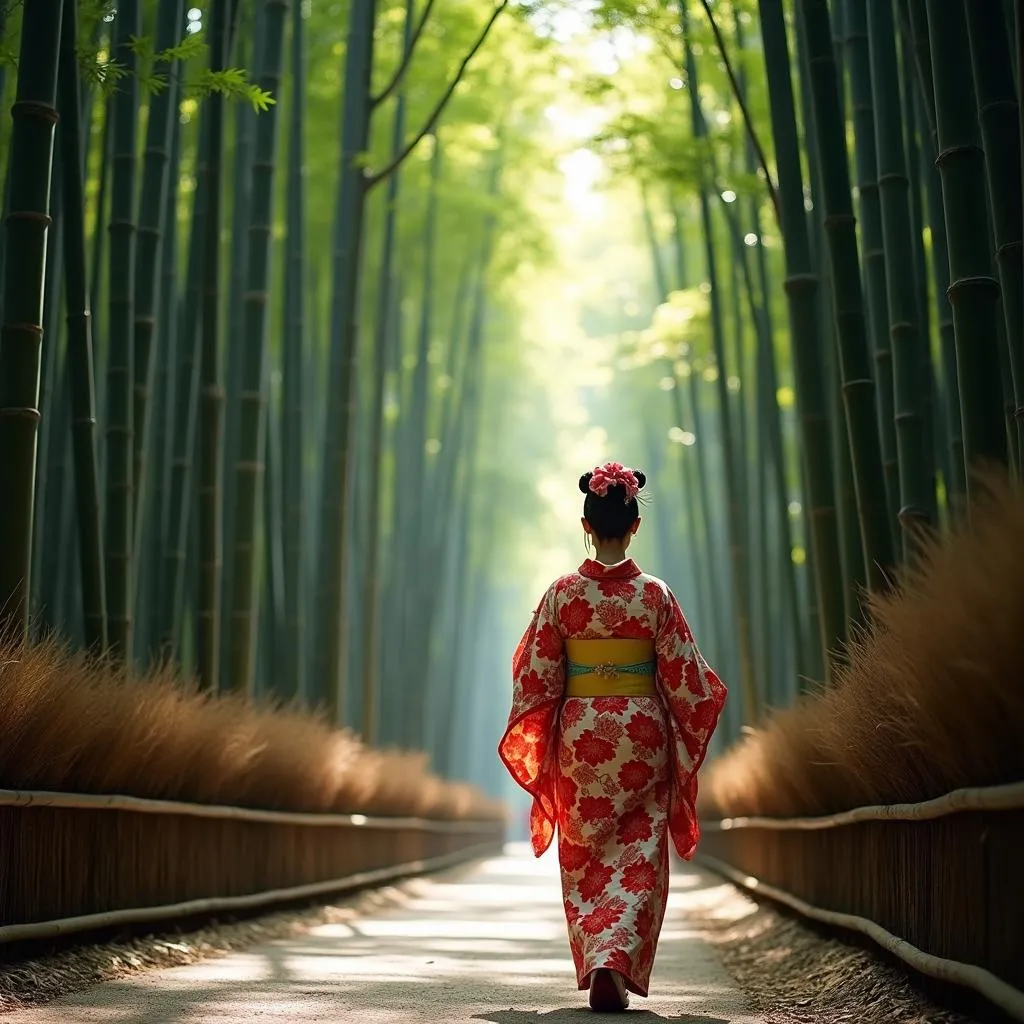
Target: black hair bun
(641,478)
(585,482)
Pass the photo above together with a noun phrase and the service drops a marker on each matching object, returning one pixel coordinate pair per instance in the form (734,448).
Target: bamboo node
(24,413)
(978,281)
(31,108)
(802,282)
(28,328)
(37,216)
(968,148)
(839,220)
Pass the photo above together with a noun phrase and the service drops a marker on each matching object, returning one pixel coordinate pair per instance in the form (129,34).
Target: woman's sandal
(607,991)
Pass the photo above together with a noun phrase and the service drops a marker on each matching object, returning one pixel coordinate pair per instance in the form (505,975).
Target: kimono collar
(595,570)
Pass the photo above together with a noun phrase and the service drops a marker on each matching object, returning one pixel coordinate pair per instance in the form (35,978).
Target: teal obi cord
(641,668)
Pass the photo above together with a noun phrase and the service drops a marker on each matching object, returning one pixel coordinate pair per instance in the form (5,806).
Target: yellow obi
(610,668)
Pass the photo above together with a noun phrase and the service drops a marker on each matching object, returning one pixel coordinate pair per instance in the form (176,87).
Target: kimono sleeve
(694,697)
(528,746)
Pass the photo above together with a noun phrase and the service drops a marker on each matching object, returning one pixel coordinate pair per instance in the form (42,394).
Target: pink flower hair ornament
(611,474)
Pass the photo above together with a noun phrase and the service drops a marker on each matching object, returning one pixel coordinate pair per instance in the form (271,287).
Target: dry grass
(795,974)
(932,699)
(75,725)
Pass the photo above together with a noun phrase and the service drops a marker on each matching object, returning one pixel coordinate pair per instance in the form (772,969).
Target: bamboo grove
(268,271)
(248,440)
(830,195)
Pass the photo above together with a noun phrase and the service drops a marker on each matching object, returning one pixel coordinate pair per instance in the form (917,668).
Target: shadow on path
(575,1015)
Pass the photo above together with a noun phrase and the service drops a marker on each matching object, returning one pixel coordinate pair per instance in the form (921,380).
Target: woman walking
(612,710)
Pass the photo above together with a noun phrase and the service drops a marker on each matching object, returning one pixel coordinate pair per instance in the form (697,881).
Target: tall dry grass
(74,725)
(932,699)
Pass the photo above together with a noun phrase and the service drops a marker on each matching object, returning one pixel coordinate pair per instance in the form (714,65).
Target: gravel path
(481,943)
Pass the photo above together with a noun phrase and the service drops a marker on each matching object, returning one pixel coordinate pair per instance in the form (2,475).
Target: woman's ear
(587,528)
(635,526)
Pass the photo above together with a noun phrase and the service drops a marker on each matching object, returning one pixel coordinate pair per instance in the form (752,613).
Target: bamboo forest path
(484,942)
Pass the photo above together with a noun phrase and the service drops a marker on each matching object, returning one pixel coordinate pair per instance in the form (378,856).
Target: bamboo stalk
(80,363)
(253,401)
(26,226)
(973,292)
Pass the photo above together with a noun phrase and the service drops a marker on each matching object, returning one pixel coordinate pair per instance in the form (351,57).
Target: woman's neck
(610,553)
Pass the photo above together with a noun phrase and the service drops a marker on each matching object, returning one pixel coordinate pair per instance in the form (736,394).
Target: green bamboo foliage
(253,397)
(999,119)
(973,292)
(79,352)
(119,505)
(910,352)
(26,225)
(854,361)
(293,675)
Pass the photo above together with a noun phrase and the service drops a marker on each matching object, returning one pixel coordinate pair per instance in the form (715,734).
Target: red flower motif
(639,877)
(515,745)
(585,774)
(617,588)
(564,583)
(596,808)
(549,643)
(618,960)
(653,596)
(532,685)
(662,792)
(611,613)
(571,856)
(572,912)
(575,616)
(572,713)
(635,826)
(594,881)
(603,917)
(610,705)
(702,716)
(634,628)
(618,938)
(645,731)
(644,920)
(608,727)
(635,775)
(682,627)
(692,744)
(692,674)
(592,749)
(671,671)
(567,791)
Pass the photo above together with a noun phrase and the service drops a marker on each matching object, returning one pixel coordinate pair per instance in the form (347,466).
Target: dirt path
(485,943)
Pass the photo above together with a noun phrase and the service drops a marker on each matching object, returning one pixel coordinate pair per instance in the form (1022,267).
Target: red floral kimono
(616,775)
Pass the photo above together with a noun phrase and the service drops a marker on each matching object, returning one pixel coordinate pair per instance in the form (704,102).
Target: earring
(586,542)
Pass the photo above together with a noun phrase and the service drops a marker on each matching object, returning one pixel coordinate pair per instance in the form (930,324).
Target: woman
(612,710)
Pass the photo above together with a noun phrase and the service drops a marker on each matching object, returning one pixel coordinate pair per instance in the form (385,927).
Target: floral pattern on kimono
(615,775)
